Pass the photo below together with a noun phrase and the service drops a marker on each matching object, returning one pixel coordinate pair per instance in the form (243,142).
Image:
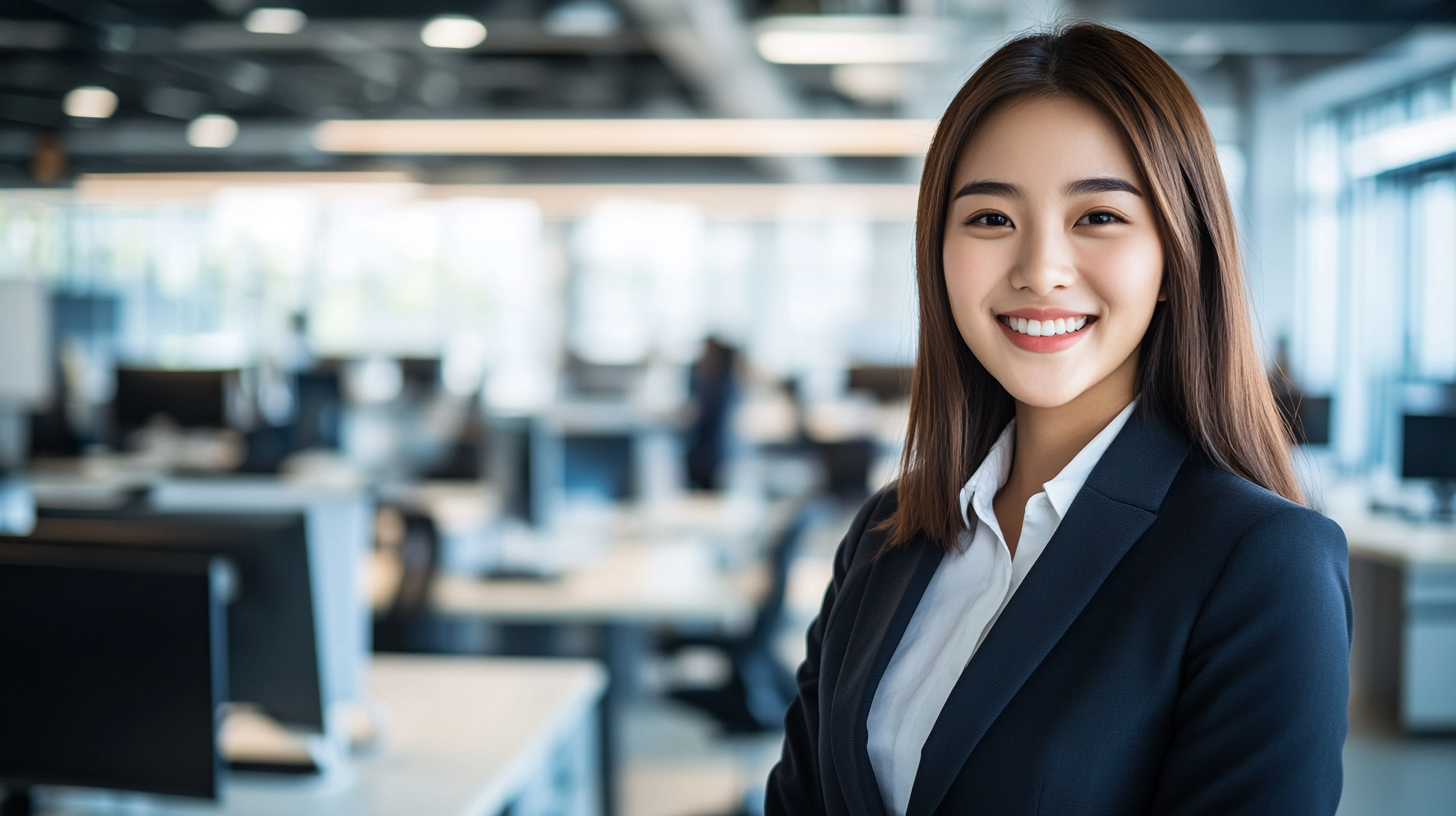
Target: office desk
(468,737)
(1403,582)
(634,583)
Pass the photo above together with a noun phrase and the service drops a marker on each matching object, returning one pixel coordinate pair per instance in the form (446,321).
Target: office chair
(759,689)
(407,625)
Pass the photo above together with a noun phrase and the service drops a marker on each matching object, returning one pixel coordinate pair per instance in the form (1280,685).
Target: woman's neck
(1048,438)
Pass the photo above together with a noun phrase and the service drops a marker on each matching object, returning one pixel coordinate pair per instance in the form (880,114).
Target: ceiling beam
(1198,39)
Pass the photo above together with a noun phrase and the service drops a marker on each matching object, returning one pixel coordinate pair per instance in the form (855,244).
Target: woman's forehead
(1046,140)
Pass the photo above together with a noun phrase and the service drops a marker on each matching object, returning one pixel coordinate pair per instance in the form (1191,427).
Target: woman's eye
(992,220)
(1098,218)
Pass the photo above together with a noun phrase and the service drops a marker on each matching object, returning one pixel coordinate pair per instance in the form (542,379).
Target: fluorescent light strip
(90,186)
(1403,146)
(627,137)
(882,202)
(879,202)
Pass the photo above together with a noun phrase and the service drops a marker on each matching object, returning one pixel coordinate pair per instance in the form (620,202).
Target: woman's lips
(1049,342)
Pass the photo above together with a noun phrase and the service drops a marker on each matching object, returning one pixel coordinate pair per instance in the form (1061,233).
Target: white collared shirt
(965,597)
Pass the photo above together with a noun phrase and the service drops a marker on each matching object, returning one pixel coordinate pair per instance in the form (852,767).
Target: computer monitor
(191,399)
(1306,418)
(1428,451)
(601,466)
(274,658)
(114,669)
(524,464)
(420,374)
(318,419)
(340,527)
(885,383)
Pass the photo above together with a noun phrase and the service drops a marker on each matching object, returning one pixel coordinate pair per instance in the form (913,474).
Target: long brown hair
(1198,366)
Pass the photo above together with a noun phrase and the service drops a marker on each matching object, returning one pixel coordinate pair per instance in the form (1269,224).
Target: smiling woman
(1092,589)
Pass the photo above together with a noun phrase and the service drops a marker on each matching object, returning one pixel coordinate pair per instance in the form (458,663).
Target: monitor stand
(17,802)
(1445,509)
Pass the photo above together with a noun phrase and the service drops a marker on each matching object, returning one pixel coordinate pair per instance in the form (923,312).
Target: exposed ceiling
(170,61)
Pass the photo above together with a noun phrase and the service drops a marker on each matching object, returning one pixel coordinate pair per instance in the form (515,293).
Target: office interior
(453,407)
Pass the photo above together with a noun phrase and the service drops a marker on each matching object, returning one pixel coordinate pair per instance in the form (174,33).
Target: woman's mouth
(1045,333)
(1045,328)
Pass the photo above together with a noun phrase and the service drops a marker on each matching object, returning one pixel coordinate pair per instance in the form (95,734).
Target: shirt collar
(983,485)
(988,479)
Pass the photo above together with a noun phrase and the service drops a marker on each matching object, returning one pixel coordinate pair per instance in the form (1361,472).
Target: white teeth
(1046,328)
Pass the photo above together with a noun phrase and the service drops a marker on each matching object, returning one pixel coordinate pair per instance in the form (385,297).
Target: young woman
(1093,589)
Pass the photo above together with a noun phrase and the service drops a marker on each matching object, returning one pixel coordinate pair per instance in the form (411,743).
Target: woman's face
(1052,259)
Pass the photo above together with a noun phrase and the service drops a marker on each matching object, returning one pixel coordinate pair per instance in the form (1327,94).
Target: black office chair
(760,687)
(407,625)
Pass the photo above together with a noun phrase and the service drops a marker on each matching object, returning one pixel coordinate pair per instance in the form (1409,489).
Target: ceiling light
(212,130)
(627,137)
(582,18)
(845,40)
(453,31)
(90,102)
(878,201)
(840,47)
(275,21)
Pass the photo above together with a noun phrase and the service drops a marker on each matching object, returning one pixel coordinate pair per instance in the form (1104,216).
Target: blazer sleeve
(1261,717)
(794,787)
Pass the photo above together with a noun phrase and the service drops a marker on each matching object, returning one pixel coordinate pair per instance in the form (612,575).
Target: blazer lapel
(896,582)
(1115,507)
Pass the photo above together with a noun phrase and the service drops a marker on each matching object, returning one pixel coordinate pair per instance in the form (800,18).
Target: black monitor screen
(599,465)
(273,653)
(420,373)
(1306,418)
(1428,450)
(886,383)
(112,671)
(192,399)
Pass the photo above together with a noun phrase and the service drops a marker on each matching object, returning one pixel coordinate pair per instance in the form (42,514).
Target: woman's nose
(1044,262)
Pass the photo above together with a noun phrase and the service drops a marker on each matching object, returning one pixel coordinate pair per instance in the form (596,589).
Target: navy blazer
(1180,647)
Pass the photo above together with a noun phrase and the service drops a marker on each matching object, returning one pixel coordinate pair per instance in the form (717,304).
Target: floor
(676,765)
(1389,774)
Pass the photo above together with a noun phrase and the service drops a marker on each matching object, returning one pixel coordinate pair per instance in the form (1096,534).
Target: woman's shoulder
(868,533)
(1250,514)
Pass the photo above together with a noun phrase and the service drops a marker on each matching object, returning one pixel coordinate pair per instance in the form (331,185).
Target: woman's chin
(1049,392)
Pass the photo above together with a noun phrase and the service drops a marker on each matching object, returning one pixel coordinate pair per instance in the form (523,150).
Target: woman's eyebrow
(1102,184)
(990,188)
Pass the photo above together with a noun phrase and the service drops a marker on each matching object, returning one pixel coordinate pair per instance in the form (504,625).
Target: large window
(1377,284)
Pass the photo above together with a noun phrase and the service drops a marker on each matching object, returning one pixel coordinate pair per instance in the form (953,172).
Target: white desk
(469,737)
(1396,541)
(634,583)
(633,586)
(639,580)
(1403,582)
